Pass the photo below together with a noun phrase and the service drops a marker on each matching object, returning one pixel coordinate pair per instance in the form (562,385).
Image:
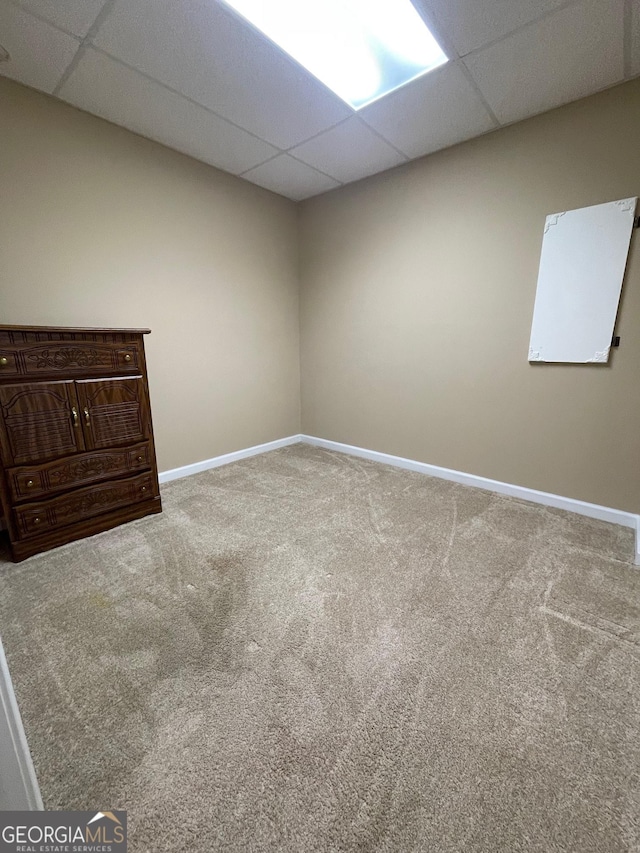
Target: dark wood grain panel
(34,518)
(77,358)
(37,422)
(29,482)
(113,410)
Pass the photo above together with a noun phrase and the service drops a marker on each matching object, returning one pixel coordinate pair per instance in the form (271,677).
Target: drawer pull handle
(4,361)
(29,483)
(143,488)
(140,458)
(127,357)
(87,418)
(36,521)
(74,412)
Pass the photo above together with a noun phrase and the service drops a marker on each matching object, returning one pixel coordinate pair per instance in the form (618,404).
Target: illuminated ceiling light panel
(360,49)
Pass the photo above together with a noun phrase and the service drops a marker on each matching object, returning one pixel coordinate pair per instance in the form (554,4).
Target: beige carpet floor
(308,652)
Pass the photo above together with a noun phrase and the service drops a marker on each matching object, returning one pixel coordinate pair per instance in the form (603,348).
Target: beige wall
(100,227)
(416,303)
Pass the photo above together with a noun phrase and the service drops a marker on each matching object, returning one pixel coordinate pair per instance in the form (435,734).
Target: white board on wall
(584,255)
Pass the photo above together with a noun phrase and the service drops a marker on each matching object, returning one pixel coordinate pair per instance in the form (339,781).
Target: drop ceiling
(194,76)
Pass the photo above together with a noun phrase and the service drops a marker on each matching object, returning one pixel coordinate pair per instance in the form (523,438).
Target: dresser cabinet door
(113,411)
(39,421)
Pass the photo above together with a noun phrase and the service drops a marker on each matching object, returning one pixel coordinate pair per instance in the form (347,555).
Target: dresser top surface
(76,329)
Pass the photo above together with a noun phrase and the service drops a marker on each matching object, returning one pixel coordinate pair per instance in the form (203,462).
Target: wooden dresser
(76,441)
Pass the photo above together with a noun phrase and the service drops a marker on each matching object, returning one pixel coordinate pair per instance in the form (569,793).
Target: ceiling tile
(74,16)
(635,39)
(207,53)
(348,152)
(472,24)
(39,53)
(290,178)
(438,109)
(572,53)
(106,88)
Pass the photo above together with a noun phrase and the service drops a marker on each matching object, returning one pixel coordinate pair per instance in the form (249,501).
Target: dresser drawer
(34,481)
(33,519)
(71,358)
(8,363)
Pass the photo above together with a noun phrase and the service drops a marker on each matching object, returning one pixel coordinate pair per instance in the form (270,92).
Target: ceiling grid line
(450,48)
(433,21)
(68,71)
(315,168)
(289,154)
(19,4)
(402,154)
(263,163)
(185,97)
(319,133)
(526,25)
(87,40)
(470,79)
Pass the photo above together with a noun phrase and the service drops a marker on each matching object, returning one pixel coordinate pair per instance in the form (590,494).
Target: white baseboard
(205,465)
(19,789)
(603,513)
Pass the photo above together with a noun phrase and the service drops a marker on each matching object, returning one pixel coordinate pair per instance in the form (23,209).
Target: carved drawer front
(27,483)
(35,518)
(76,358)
